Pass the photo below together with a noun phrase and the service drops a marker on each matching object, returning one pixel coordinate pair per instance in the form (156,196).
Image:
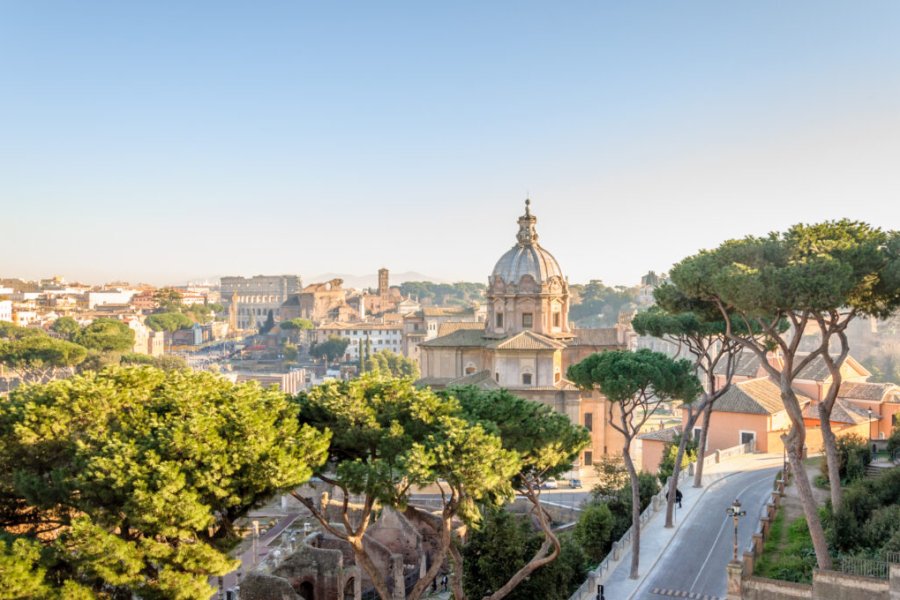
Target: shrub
(854,455)
(594,530)
(667,464)
(894,440)
(503,544)
(882,525)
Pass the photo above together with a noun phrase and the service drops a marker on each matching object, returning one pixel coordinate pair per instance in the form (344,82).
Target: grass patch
(788,554)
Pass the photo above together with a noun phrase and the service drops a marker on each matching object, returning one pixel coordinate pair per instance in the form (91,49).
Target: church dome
(527,257)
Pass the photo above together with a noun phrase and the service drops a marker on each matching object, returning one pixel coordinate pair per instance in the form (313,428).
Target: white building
(377,336)
(110,297)
(6,311)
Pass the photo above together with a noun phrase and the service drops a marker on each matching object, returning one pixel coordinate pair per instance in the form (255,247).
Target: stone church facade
(527,342)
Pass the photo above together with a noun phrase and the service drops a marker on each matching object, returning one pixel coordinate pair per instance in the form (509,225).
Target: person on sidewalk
(678,497)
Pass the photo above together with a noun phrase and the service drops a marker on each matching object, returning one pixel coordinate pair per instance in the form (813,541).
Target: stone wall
(840,586)
(559,513)
(395,533)
(827,585)
(760,588)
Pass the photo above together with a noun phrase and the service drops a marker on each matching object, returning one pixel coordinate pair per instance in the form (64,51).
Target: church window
(499,319)
(526,378)
(527,320)
(588,459)
(589,421)
(556,320)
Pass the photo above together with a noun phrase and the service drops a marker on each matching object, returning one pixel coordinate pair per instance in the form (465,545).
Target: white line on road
(721,530)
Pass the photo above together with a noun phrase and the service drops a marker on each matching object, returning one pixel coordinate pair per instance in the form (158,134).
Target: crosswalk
(683,594)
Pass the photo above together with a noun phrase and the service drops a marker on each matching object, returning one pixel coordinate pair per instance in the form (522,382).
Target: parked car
(575,484)
(550,484)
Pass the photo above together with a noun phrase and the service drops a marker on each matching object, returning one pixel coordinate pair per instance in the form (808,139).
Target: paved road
(695,561)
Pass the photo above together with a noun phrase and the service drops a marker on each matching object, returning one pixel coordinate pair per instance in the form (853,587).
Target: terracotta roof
(661,435)
(461,337)
(446,311)
(843,412)
(434,381)
(755,396)
(747,365)
(482,379)
(864,390)
(817,370)
(360,326)
(595,337)
(450,327)
(526,340)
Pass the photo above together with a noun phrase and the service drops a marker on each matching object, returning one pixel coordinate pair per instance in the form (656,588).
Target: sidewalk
(655,538)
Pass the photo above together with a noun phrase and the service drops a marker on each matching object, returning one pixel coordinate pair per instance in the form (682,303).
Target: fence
(865,568)
(587,590)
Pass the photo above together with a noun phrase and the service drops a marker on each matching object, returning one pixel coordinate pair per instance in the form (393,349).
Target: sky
(173,141)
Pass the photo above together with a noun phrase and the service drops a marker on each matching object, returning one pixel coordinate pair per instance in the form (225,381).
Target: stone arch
(307,590)
(349,593)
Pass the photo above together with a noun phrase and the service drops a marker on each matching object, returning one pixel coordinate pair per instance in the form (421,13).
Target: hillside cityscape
(450,301)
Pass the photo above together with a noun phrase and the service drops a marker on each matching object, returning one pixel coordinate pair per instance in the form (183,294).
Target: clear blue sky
(161,141)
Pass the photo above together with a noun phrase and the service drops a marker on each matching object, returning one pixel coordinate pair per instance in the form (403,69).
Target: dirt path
(793,508)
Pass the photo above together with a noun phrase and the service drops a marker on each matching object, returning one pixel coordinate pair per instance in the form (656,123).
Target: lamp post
(734,511)
(783,462)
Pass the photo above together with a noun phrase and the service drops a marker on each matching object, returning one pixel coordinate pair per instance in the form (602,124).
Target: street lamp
(783,462)
(734,511)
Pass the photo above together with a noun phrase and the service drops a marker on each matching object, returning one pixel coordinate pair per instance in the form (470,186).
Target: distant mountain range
(371,281)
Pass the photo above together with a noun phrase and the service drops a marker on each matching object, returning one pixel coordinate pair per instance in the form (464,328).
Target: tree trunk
(832,459)
(701,447)
(635,511)
(810,508)
(441,526)
(540,558)
(362,558)
(676,471)
(795,440)
(456,579)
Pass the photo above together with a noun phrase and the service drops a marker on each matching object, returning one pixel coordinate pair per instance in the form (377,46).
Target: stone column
(735,572)
(894,593)
(397,574)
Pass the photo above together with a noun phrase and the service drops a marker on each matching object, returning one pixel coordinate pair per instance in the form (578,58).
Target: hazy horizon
(170,142)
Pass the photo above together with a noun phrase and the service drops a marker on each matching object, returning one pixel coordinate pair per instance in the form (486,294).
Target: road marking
(722,528)
(682,594)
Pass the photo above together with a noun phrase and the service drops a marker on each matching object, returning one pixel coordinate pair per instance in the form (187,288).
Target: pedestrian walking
(678,497)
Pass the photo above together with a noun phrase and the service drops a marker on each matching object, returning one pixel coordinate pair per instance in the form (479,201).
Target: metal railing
(864,567)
